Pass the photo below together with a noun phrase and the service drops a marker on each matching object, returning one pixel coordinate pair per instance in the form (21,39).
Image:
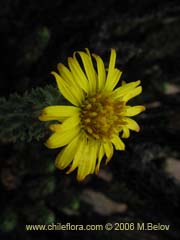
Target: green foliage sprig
(19,114)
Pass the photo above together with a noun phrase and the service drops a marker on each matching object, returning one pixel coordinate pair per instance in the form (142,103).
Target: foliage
(19,114)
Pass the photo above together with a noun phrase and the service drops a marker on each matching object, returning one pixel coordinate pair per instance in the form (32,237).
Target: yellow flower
(99,117)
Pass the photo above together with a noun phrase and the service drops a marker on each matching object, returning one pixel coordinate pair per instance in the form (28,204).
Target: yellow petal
(118,143)
(114,79)
(65,73)
(132,111)
(62,138)
(79,155)
(69,123)
(84,165)
(112,60)
(89,70)
(131,124)
(65,157)
(58,112)
(111,68)
(55,127)
(126,132)
(101,72)
(132,94)
(94,155)
(100,156)
(88,52)
(90,59)
(88,161)
(125,89)
(108,148)
(78,74)
(68,77)
(66,90)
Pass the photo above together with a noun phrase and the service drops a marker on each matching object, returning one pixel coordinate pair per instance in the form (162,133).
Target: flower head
(99,116)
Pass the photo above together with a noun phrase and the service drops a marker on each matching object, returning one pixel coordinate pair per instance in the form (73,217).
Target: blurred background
(140,184)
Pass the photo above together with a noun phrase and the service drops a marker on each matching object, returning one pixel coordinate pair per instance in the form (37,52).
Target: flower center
(101,116)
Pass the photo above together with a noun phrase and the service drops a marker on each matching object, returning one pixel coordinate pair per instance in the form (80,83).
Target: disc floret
(101,116)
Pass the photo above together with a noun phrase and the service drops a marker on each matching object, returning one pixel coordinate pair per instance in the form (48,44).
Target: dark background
(35,36)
